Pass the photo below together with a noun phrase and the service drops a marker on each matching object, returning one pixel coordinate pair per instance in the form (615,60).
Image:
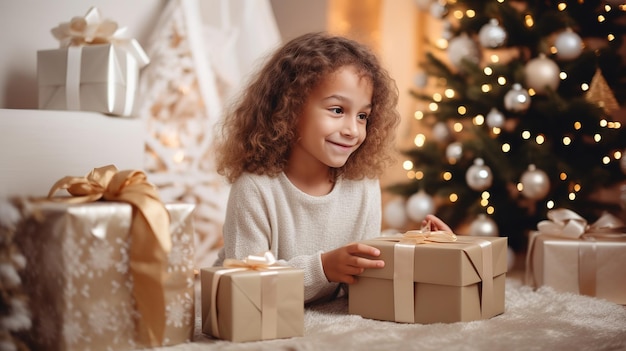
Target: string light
(407,165)
(606,160)
(478,120)
(437,97)
(419,140)
(433,106)
(419,115)
(529,21)
(526,135)
(562,6)
(491,210)
(597,137)
(584,87)
(488,71)
(453,197)
(577,125)
(449,93)
(494,58)
(506,147)
(502,80)
(567,140)
(550,204)
(563,176)
(485,88)
(496,130)
(457,127)
(462,110)
(563,75)
(540,139)
(446,176)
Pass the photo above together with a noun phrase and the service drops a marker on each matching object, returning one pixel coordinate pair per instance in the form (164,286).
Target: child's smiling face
(333,121)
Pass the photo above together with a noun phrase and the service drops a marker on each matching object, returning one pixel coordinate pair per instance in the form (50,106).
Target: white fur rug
(533,320)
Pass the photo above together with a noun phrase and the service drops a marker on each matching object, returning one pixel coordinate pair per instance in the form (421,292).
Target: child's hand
(342,264)
(436,223)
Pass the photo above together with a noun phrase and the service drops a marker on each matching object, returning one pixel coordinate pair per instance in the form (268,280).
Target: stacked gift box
(570,255)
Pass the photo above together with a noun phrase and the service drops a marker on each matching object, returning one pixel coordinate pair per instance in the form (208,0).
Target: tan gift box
(250,305)
(447,282)
(590,267)
(98,78)
(78,282)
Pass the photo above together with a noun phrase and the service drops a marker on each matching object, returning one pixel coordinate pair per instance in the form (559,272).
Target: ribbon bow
(254,262)
(567,223)
(151,241)
(92,30)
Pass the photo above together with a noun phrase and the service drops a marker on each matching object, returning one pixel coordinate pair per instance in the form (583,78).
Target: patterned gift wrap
(78,278)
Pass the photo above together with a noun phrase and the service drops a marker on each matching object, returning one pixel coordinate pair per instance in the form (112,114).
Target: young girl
(303,148)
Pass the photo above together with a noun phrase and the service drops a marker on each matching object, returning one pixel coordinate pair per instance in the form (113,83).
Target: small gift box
(570,255)
(253,299)
(96,69)
(432,277)
(115,274)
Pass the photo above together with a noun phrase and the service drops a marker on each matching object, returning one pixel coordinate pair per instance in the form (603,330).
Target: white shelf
(38,147)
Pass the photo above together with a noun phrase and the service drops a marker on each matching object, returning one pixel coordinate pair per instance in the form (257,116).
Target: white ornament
(517,99)
(419,205)
(478,175)
(568,44)
(441,132)
(495,118)
(420,79)
(535,183)
(454,151)
(483,226)
(463,47)
(395,213)
(491,35)
(542,73)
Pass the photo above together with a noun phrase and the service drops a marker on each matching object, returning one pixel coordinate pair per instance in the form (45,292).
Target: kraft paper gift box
(432,282)
(568,255)
(96,69)
(248,304)
(78,281)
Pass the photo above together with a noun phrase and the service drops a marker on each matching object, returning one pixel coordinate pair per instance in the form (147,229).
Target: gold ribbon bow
(92,30)
(266,265)
(567,223)
(151,241)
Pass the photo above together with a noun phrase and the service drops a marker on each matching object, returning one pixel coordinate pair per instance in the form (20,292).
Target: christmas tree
(523,109)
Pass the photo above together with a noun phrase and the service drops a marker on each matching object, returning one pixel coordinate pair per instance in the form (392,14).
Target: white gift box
(99,78)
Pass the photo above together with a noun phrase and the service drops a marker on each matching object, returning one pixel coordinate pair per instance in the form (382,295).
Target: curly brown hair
(258,132)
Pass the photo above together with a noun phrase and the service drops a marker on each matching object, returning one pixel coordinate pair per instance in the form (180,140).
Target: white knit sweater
(270,213)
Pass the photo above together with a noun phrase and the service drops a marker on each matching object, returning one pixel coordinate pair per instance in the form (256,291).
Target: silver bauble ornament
(483,226)
(478,175)
(438,9)
(440,131)
(517,99)
(419,205)
(568,45)
(542,73)
(491,35)
(495,118)
(454,151)
(535,183)
(463,47)
(394,213)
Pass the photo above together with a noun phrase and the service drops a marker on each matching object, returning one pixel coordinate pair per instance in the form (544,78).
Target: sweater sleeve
(246,227)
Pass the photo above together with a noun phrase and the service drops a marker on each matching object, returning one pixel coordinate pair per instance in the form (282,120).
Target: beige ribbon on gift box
(149,232)
(93,30)
(568,224)
(404,256)
(266,265)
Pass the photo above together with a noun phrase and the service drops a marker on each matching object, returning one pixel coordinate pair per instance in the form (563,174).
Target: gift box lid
(456,263)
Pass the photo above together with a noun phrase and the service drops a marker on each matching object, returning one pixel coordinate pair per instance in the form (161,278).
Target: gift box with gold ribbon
(432,277)
(110,267)
(252,299)
(95,69)
(571,255)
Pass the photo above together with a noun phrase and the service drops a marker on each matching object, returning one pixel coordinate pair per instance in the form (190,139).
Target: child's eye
(362,116)
(336,110)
